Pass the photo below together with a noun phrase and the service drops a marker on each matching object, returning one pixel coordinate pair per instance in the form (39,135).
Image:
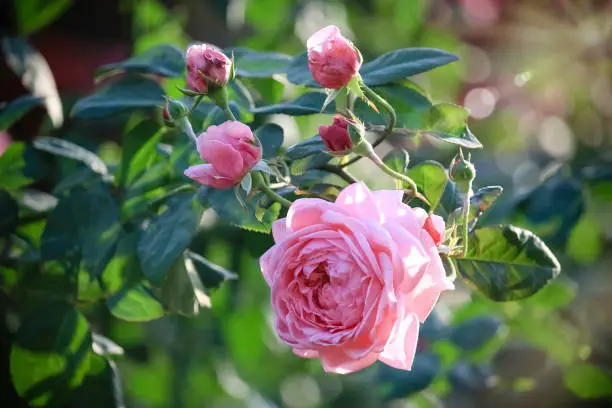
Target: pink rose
(231,152)
(207,66)
(332,59)
(336,136)
(351,280)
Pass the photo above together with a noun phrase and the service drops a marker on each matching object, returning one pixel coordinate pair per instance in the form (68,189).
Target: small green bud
(173,110)
(462,172)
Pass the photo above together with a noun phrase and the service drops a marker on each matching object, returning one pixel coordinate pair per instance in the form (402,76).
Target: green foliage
(430,177)
(588,381)
(254,64)
(164,60)
(13,111)
(12,166)
(507,263)
(32,15)
(308,104)
(448,122)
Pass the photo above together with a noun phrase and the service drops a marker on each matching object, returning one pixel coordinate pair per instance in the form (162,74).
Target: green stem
(369,152)
(380,101)
(228,112)
(185,126)
(338,171)
(260,184)
(465,213)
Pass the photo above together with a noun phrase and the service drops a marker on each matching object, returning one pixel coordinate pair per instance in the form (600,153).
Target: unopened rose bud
(207,68)
(462,172)
(336,136)
(173,110)
(332,59)
(230,150)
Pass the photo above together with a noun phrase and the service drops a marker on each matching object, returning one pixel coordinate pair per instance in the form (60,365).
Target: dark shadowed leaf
(507,263)
(474,333)
(254,217)
(469,376)
(448,122)
(308,104)
(401,383)
(271,137)
(124,96)
(298,72)
(305,148)
(167,236)
(9,213)
(164,60)
(211,275)
(85,225)
(64,148)
(50,354)
(36,76)
(14,110)
(400,64)
(255,64)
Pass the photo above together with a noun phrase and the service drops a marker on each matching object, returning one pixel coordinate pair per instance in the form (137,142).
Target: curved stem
(399,176)
(378,100)
(260,184)
(338,171)
(185,126)
(272,195)
(228,112)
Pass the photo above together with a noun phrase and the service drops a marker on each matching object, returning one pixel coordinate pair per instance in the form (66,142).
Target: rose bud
(332,59)
(231,151)
(173,110)
(351,281)
(207,68)
(336,136)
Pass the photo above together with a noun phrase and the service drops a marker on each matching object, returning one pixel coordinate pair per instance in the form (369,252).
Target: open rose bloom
(333,60)
(351,281)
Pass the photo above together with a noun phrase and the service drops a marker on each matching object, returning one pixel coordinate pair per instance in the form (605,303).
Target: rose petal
(358,200)
(334,360)
(226,160)
(399,352)
(323,35)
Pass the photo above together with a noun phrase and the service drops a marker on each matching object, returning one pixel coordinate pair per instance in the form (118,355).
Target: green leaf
(430,178)
(64,148)
(407,99)
(124,96)
(211,275)
(400,64)
(123,270)
(135,304)
(588,381)
(50,354)
(34,72)
(9,214)
(448,122)
(475,333)
(305,148)
(298,72)
(255,64)
(14,110)
(33,15)
(167,236)
(253,218)
(103,346)
(182,291)
(507,263)
(397,159)
(164,60)
(11,167)
(309,103)
(556,295)
(134,156)
(85,225)
(271,137)
(481,201)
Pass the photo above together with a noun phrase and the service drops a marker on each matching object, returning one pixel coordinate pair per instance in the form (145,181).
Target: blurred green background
(537,79)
